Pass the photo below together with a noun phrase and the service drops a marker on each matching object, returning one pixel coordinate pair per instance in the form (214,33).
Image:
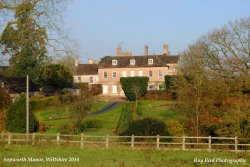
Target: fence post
(158,142)
(209,143)
(9,138)
(82,138)
(33,138)
(58,138)
(2,137)
(132,141)
(183,142)
(107,141)
(236,144)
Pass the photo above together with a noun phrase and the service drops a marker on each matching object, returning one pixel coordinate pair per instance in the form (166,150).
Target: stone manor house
(109,72)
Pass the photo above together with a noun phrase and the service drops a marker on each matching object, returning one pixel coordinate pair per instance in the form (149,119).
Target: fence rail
(158,142)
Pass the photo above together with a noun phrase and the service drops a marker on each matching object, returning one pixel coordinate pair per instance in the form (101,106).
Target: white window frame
(150,61)
(132,72)
(104,74)
(150,71)
(124,73)
(114,62)
(132,61)
(160,73)
(140,73)
(114,72)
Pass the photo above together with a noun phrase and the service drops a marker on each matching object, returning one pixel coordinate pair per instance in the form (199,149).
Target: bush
(67,98)
(89,124)
(134,87)
(16,117)
(96,89)
(146,127)
(175,128)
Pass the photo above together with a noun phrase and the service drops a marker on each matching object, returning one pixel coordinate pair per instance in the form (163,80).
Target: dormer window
(150,61)
(114,62)
(132,61)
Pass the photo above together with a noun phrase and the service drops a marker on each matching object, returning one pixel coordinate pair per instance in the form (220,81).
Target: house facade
(86,73)
(125,65)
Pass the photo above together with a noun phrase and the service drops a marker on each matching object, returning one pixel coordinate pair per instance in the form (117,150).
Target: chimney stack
(166,50)
(119,51)
(145,50)
(90,61)
(76,61)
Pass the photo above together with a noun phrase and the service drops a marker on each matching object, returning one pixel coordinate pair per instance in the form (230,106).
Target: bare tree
(137,92)
(78,111)
(227,51)
(213,71)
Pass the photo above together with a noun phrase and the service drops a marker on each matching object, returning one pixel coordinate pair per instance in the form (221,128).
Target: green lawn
(56,118)
(120,156)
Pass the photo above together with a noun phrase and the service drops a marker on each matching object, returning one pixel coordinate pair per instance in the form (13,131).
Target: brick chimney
(145,50)
(166,50)
(119,51)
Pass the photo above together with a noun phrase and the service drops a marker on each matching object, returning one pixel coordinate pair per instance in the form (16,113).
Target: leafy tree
(56,75)
(104,59)
(25,41)
(134,87)
(47,14)
(4,99)
(16,117)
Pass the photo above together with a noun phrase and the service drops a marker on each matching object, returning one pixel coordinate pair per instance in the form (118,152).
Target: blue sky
(99,26)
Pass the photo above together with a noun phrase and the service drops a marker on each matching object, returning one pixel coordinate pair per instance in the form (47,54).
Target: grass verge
(119,156)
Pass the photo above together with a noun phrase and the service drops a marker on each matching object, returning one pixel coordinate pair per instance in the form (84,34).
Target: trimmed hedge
(128,83)
(16,117)
(158,95)
(146,127)
(42,102)
(169,81)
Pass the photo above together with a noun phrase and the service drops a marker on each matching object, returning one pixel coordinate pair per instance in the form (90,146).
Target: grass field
(120,157)
(106,123)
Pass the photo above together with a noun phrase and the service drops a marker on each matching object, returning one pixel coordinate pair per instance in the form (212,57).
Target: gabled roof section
(86,69)
(140,61)
(18,84)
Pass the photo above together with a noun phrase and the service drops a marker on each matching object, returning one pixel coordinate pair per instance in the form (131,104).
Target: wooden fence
(158,142)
